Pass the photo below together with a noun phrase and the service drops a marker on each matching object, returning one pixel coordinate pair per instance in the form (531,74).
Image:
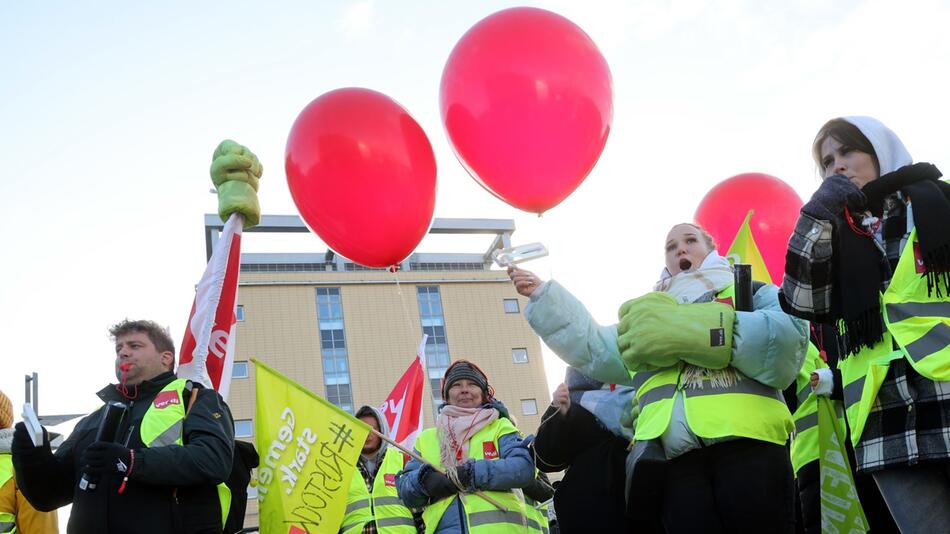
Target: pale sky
(110,114)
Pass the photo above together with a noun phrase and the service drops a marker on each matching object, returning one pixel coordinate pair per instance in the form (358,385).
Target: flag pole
(415,456)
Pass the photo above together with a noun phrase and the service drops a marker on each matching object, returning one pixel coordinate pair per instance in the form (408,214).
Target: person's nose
(840,166)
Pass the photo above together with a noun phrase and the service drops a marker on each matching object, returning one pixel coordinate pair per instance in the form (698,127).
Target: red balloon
(362,174)
(776,207)
(527,103)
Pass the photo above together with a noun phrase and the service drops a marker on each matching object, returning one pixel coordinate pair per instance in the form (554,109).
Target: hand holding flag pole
(415,456)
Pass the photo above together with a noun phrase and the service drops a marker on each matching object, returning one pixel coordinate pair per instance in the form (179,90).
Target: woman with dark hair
(479,449)
(870,255)
(708,381)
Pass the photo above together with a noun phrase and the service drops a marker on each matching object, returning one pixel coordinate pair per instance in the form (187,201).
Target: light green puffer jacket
(768,346)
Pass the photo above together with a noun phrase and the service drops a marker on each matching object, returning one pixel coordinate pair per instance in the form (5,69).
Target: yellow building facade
(348,333)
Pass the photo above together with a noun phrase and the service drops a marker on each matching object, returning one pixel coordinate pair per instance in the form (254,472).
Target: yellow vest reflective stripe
(537,518)
(7,519)
(805,441)
(862,375)
(482,516)
(918,323)
(383,505)
(746,409)
(164,424)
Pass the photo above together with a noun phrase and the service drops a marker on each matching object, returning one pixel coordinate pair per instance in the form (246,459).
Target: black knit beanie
(464,370)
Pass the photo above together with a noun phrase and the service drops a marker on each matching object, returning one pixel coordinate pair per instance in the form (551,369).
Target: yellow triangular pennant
(744,250)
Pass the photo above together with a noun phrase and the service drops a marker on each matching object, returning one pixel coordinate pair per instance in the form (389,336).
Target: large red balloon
(776,207)
(527,103)
(362,174)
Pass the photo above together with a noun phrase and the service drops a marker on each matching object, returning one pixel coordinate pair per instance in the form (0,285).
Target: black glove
(22,445)
(830,199)
(103,457)
(877,190)
(436,485)
(539,490)
(466,474)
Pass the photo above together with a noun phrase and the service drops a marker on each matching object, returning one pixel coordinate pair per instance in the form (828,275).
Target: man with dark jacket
(161,469)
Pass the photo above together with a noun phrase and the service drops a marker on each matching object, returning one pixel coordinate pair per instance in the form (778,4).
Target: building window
(519,355)
(336,365)
(437,347)
(529,407)
(239,313)
(244,428)
(239,370)
(511,306)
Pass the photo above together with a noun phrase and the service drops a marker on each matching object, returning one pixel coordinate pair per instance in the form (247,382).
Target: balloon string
(402,301)
(543,238)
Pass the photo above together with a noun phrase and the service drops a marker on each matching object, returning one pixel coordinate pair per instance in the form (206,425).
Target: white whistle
(507,257)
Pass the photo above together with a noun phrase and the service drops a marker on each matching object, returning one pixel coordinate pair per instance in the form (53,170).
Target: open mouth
(685,264)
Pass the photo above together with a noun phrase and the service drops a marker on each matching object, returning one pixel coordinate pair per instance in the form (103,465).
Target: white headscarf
(891,153)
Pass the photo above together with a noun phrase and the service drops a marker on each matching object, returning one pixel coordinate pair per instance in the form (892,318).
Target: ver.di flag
(308,449)
(207,352)
(403,407)
(744,250)
(840,508)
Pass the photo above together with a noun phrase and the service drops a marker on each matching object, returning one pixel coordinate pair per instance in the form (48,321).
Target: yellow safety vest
(164,424)
(480,515)
(382,506)
(7,518)
(538,517)
(747,409)
(918,324)
(805,440)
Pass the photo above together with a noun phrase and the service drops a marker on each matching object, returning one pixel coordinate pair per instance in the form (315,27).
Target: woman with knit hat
(870,256)
(479,449)
(16,513)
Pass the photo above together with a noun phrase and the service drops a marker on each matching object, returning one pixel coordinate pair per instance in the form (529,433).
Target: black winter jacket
(590,497)
(170,489)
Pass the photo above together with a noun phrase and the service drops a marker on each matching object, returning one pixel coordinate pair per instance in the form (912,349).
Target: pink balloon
(362,174)
(527,103)
(776,207)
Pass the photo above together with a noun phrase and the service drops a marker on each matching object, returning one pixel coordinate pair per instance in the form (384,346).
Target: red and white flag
(207,352)
(403,407)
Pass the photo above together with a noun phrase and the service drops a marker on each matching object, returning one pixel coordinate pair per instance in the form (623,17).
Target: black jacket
(590,497)
(245,459)
(171,489)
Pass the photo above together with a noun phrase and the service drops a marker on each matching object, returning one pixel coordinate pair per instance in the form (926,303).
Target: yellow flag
(308,451)
(744,250)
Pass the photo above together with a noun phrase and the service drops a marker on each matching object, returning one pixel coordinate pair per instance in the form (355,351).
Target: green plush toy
(236,174)
(655,331)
